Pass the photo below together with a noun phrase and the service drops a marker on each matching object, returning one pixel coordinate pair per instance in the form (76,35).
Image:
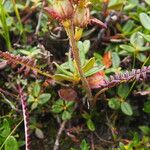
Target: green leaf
(39,133)
(128,26)
(34,105)
(43,98)
(36,90)
(84,145)
(115,60)
(148,2)
(11,144)
(145,129)
(89,65)
(86,45)
(31,98)
(66,115)
(123,90)
(126,108)
(136,39)
(145,20)
(93,71)
(127,48)
(5,129)
(114,103)
(69,104)
(62,70)
(146,37)
(147,106)
(90,125)
(58,106)
(62,77)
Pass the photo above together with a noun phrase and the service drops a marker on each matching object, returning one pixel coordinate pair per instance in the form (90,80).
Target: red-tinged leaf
(68,94)
(97,22)
(107,59)
(96,80)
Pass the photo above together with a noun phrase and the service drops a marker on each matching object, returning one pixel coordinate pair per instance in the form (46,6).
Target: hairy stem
(70,32)
(25,117)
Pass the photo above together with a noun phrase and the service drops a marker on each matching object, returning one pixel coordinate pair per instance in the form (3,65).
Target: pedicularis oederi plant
(74,16)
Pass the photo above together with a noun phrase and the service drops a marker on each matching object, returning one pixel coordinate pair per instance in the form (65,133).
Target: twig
(10,103)
(103,140)
(62,126)
(7,93)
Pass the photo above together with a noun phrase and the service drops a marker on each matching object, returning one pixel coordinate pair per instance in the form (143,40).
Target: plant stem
(4,26)
(70,32)
(19,20)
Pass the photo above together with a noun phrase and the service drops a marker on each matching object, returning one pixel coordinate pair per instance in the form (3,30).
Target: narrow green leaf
(89,65)
(93,71)
(62,70)
(61,77)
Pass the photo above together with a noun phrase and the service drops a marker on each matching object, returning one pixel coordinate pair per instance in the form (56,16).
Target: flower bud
(60,9)
(81,17)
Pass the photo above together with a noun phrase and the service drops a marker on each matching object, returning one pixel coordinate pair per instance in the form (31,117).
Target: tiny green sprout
(64,108)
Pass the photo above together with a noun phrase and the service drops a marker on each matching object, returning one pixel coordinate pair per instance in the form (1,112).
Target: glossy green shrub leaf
(147,107)
(126,108)
(84,145)
(66,115)
(31,98)
(115,60)
(11,144)
(90,125)
(127,48)
(114,103)
(36,90)
(123,90)
(145,20)
(58,106)
(43,98)
(34,105)
(128,26)
(136,40)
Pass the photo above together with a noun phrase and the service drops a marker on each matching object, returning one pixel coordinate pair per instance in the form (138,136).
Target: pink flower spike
(97,22)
